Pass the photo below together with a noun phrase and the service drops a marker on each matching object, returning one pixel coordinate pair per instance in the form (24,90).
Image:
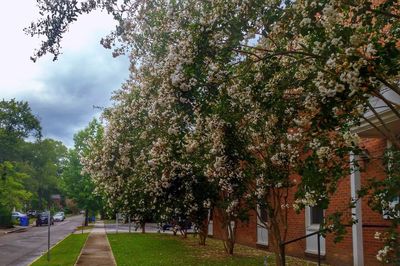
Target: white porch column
(357,233)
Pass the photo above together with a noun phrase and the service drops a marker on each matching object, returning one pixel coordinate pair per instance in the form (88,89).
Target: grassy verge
(65,253)
(160,249)
(32,221)
(84,227)
(109,221)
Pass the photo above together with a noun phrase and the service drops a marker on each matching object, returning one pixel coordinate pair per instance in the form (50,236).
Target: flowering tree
(112,163)
(268,88)
(139,164)
(349,50)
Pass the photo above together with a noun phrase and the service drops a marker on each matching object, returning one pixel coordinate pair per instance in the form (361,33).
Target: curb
(20,229)
(47,251)
(112,252)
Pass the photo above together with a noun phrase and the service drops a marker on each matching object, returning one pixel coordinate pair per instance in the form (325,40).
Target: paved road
(22,248)
(124,228)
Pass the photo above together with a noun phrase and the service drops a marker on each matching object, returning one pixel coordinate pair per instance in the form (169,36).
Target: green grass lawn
(65,253)
(161,249)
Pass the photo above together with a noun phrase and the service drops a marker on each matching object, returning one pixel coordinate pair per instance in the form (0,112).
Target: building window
(210,222)
(262,231)
(317,215)
(263,215)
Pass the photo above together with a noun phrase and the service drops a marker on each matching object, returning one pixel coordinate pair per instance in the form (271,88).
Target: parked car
(42,219)
(15,216)
(173,225)
(32,213)
(59,217)
(166,227)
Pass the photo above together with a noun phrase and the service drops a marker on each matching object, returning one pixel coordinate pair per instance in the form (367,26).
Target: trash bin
(93,219)
(24,221)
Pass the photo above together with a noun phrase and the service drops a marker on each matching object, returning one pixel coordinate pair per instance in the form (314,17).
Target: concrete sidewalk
(97,250)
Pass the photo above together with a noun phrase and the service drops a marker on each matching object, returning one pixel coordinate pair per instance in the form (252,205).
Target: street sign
(55,197)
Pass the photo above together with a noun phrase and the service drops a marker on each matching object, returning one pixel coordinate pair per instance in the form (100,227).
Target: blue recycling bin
(24,221)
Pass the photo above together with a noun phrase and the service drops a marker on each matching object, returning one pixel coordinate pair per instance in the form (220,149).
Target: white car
(59,217)
(17,215)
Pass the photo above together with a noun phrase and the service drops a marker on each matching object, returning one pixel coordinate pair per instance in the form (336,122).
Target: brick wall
(372,221)
(246,232)
(336,253)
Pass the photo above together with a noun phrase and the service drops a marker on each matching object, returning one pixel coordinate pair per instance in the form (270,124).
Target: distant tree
(12,191)
(16,118)
(45,160)
(30,166)
(76,185)
(16,123)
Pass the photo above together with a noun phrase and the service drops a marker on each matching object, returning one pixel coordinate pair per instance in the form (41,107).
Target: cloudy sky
(61,93)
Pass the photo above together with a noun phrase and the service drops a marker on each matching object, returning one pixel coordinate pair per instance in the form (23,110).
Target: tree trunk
(276,240)
(184,233)
(229,238)
(86,217)
(143,225)
(282,257)
(203,233)
(229,245)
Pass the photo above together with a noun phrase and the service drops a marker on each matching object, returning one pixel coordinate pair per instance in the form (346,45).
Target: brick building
(359,247)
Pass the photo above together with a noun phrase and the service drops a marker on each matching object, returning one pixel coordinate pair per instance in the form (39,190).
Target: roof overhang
(389,119)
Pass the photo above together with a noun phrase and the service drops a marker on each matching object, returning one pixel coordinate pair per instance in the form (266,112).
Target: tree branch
(388,103)
(247,52)
(277,53)
(387,14)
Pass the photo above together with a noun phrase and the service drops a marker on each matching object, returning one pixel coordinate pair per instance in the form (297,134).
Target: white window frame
(210,223)
(309,225)
(310,228)
(233,224)
(260,228)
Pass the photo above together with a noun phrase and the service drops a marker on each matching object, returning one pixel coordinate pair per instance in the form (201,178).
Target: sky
(62,93)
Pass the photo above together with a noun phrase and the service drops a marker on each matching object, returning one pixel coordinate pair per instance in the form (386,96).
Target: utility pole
(48,235)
